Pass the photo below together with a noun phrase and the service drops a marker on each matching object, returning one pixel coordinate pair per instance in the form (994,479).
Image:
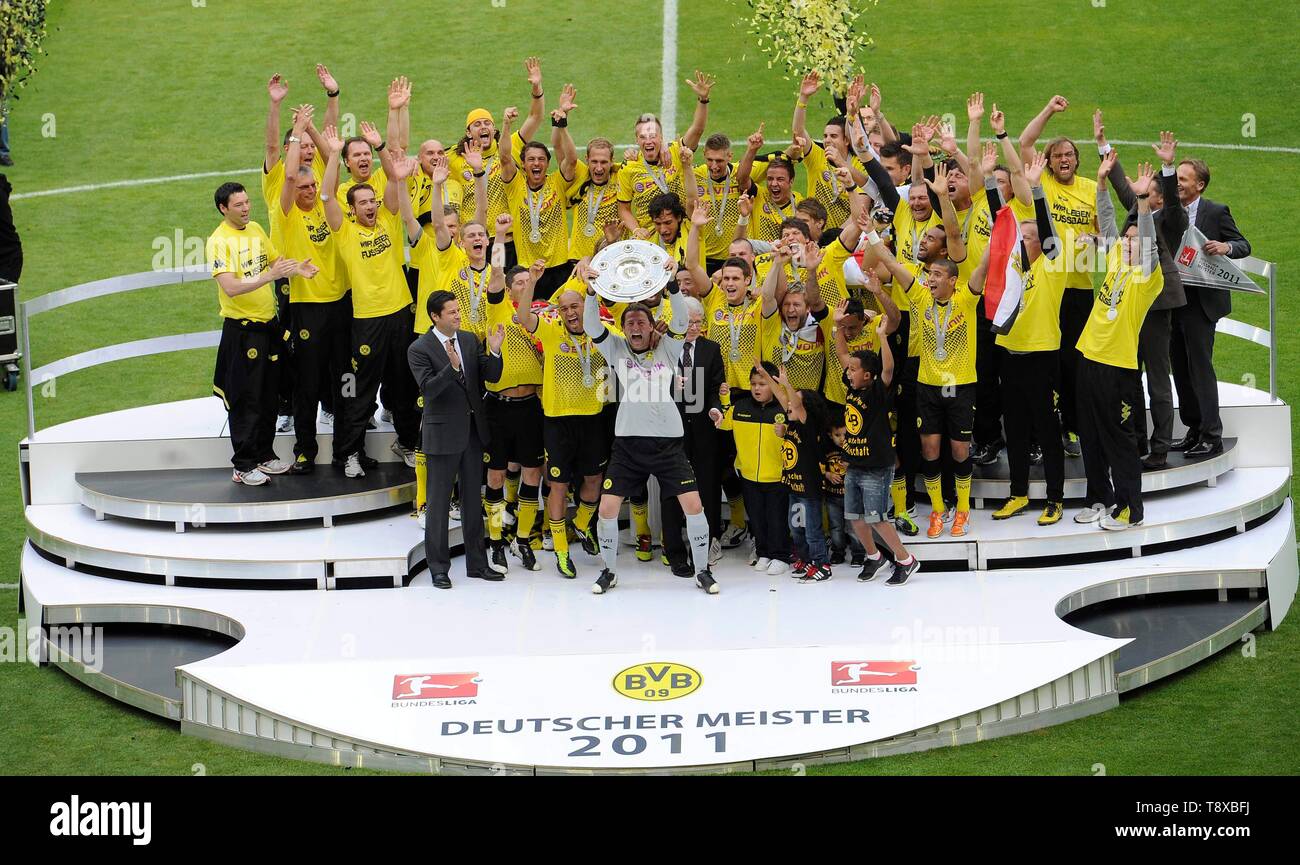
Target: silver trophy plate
(630,270)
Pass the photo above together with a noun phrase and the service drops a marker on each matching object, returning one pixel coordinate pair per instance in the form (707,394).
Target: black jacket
(701,391)
(453,401)
(1216,223)
(1171,222)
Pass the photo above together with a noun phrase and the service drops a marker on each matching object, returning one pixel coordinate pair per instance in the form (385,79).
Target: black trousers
(1192,351)
(1076,304)
(1107,437)
(246,377)
(989,360)
(284,315)
(1153,355)
(379,356)
(443,470)
(768,507)
(908,436)
(700,439)
(322,346)
(1028,382)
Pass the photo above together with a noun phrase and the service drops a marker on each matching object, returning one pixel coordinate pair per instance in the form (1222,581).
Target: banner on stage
(1200,268)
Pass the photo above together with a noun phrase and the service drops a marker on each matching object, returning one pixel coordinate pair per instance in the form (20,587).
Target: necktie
(686,356)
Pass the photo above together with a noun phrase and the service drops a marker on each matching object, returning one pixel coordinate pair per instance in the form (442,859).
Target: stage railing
(34,378)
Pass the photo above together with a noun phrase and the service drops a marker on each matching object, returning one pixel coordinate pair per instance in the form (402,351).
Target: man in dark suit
(1157,328)
(450,368)
(1193,338)
(700,376)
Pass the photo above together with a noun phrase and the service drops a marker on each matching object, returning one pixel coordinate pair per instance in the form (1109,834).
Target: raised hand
(371,134)
(700,215)
(567,97)
(1034,168)
(1166,148)
(1057,104)
(947,139)
(756,137)
(533,68)
(920,143)
(701,84)
(473,155)
(510,115)
(801,146)
(403,166)
(504,223)
(333,141)
(998,120)
(745,204)
(873,283)
(399,93)
(536,269)
(496,339)
(441,170)
(844,175)
(989,160)
(1098,128)
(302,119)
(812,255)
(975,106)
(874,101)
(853,98)
(1145,180)
(1107,163)
(810,84)
(326,79)
(838,314)
(939,186)
(686,156)
(277,88)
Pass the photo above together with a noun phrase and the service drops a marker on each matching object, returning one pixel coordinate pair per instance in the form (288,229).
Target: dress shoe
(1187,441)
(681,569)
(1155,461)
(1204,448)
(489,575)
(441,581)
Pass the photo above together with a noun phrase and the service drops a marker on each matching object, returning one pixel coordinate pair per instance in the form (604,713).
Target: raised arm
(561,140)
(891,315)
(1173,220)
(812,259)
(1019,186)
(399,117)
(808,88)
(473,157)
(981,273)
(1047,236)
(701,85)
(886,355)
(975,114)
(746,167)
(398,169)
(293,158)
(699,218)
(896,270)
(277,89)
(1035,127)
(504,154)
(330,183)
(591,322)
(1107,227)
(371,135)
(939,188)
(1146,224)
(686,156)
(841,341)
(536,107)
(331,102)
(773,283)
(497,278)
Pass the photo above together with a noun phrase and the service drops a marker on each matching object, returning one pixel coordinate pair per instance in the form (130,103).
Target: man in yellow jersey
(480,126)
(593,197)
(657,169)
(373,249)
(721,182)
(538,204)
(244,263)
(790,335)
(945,390)
(573,378)
(821,160)
(1031,365)
(1073,201)
(1108,372)
(322,315)
(775,200)
(451,257)
(513,409)
(859,328)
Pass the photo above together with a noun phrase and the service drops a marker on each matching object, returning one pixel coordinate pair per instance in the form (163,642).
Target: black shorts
(948,411)
(515,432)
(635,458)
(575,446)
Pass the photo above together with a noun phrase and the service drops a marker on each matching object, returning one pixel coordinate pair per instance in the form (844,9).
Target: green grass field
(135,89)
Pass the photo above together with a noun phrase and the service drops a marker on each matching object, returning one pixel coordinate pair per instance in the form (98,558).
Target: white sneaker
(715,552)
(454,512)
(253,478)
(419,515)
(275,467)
(548,543)
(352,468)
(1118,522)
(326,419)
(948,514)
(1090,514)
(732,536)
(507,519)
(385,416)
(284,423)
(776,566)
(407,455)
(761,564)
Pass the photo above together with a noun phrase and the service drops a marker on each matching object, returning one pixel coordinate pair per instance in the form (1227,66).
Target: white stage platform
(535,674)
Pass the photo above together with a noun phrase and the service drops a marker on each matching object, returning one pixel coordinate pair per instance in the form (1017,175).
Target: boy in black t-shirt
(834,466)
(869,445)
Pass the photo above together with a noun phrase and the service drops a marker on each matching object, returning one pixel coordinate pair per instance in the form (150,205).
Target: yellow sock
(641,518)
(582,520)
(494,511)
(898,492)
(512,487)
(527,511)
(963,493)
(737,508)
(559,535)
(421,478)
(934,486)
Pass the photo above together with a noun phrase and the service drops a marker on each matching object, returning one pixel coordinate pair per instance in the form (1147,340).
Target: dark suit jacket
(700,395)
(453,401)
(1171,222)
(1216,223)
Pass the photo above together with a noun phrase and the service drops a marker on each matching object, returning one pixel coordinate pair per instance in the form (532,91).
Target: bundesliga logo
(423,686)
(852,673)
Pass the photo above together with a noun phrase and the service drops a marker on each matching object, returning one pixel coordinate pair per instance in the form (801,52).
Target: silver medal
(588,380)
(1112,313)
(735,356)
(589,230)
(941,353)
(717,229)
(535,237)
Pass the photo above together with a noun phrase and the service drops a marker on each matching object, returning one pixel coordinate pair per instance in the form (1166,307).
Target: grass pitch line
(664,117)
(668,80)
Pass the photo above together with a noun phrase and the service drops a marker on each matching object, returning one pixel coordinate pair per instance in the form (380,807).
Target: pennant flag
(1004,284)
(1200,268)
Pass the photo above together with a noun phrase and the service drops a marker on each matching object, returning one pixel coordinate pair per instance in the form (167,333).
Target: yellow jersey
(378,181)
(496,187)
(975,224)
(245,252)
(547,238)
(1038,323)
(305,234)
(520,363)
(1110,335)
(760,454)
(721,196)
(639,182)
(908,233)
(273,181)
(569,361)
(592,206)
(802,352)
(420,188)
(835,389)
(374,257)
(449,270)
(767,215)
(824,185)
(736,330)
(906,303)
(951,362)
(1074,210)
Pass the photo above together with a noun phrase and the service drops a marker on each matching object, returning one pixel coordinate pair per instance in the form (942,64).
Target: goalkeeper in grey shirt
(648,428)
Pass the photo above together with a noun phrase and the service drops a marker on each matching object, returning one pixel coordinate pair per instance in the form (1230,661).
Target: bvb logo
(364,350)
(918,423)
(780,418)
(608,483)
(852,420)
(788,454)
(555,471)
(304,334)
(487,457)
(252,354)
(419,402)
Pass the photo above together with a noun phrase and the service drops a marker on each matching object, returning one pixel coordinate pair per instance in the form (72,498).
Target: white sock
(607,535)
(697,529)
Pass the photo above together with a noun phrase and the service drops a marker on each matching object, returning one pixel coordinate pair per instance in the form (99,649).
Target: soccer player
(593,194)
(244,263)
(775,200)
(1073,201)
(791,334)
(373,249)
(721,182)
(1030,365)
(869,448)
(820,161)
(1108,370)
(321,311)
(538,203)
(658,167)
(858,326)
(945,391)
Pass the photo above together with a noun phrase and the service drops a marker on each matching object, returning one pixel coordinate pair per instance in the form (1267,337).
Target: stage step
(198,497)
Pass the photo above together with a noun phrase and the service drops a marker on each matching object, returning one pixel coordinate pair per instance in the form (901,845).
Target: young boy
(870,448)
(753,422)
(834,466)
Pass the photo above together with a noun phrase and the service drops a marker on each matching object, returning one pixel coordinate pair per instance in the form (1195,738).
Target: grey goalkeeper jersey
(646,380)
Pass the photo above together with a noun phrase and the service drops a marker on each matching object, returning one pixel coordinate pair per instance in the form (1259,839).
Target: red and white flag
(1004,284)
